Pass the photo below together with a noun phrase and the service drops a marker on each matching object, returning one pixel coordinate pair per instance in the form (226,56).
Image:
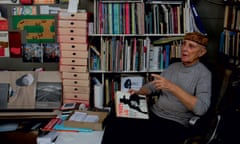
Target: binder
(197,19)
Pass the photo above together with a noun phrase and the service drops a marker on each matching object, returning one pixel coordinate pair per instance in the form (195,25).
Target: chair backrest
(209,126)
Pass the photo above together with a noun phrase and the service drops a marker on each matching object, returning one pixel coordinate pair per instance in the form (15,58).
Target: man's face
(191,52)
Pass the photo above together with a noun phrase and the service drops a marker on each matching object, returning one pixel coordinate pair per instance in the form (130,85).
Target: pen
(67,131)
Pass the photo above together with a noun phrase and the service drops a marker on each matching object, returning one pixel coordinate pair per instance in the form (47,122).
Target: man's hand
(187,99)
(142,91)
(132,91)
(161,83)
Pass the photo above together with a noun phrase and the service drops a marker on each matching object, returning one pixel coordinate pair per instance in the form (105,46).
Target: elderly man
(184,90)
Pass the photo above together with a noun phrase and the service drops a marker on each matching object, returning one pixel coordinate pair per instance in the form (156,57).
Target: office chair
(206,129)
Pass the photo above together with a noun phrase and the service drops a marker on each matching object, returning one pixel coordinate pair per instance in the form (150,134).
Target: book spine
(98,96)
(127,21)
(133,24)
(110,18)
(154,58)
(167,55)
(197,19)
(161,58)
(100,17)
(116,18)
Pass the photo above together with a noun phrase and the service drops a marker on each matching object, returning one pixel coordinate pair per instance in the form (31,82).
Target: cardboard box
(74,46)
(73,16)
(72,31)
(92,125)
(76,89)
(72,68)
(74,54)
(72,23)
(72,39)
(76,96)
(74,61)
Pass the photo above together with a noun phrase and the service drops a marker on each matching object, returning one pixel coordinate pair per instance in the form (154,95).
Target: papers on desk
(48,138)
(84,117)
(94,137)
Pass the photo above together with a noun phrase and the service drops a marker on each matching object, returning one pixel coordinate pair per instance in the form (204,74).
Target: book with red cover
(15,44)
(3,24)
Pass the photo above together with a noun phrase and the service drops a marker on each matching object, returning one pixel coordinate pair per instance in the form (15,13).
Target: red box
(3,24)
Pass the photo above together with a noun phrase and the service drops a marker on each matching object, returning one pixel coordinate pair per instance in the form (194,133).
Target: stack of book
(72,38)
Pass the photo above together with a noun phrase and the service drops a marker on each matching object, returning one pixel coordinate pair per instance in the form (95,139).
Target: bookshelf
(229,45)
(134,38)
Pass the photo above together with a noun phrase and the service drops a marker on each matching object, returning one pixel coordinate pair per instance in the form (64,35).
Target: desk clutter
(76,124)
(73,124)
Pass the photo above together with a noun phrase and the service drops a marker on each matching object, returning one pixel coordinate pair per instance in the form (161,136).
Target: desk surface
(94,137)
(19,137)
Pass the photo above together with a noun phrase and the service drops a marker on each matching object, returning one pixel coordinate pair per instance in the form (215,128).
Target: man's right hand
(142,91)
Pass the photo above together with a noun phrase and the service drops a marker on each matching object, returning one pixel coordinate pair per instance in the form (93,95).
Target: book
(15,47)
(127,18)
(98,93)
(154,59)
(197,19)
(131,82)
(4,44)
(48,138)
(3,23)
(131,106)
(4,88)
(115,15)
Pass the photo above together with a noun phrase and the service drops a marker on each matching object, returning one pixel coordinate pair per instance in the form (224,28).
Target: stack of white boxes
(72,38)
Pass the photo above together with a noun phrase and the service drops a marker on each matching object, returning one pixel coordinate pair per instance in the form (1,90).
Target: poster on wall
(32,52)
(38,28)
(40,52)
(51,52)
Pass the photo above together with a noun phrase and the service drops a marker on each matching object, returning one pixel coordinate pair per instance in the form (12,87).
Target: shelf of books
(132,39)
(230,36)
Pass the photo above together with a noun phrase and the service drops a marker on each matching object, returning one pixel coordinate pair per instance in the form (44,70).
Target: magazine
(131,106)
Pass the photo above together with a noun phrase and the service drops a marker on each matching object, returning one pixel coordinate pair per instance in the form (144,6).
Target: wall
(212,16)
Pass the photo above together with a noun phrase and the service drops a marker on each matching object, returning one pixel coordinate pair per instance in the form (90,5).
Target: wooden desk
(18,137)
(25,134)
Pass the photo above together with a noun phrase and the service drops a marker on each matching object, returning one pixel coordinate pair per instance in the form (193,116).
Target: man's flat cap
(197,37)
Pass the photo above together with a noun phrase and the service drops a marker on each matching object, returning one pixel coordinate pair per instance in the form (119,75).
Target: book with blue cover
(197,19)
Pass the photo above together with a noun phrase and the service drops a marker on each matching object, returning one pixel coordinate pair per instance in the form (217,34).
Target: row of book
(34,1)
(115,18)
(132,55)
(141,18)
(230,45)
(232,17)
